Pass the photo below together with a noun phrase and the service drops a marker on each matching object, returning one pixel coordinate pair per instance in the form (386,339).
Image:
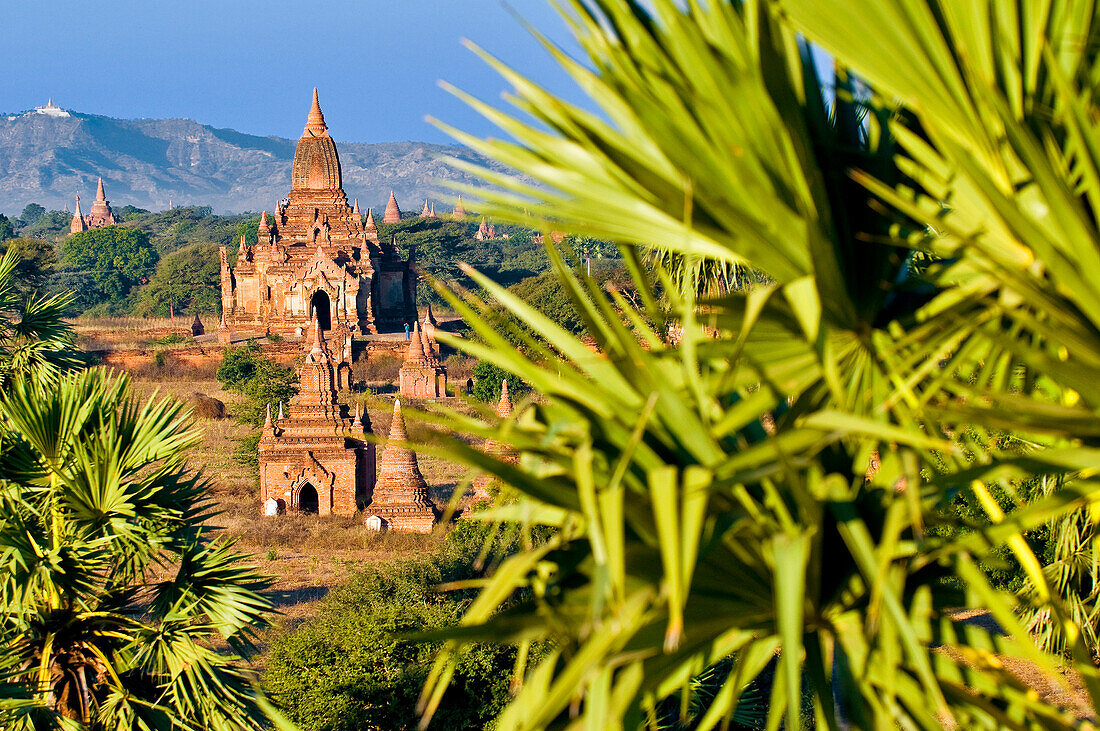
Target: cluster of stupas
(101,214)
(423,375)
(315,457)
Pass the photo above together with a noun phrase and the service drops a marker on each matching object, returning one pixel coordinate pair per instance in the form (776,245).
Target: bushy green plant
(262,381)
(186,281)
(112,260)
(487,383)
(355,666)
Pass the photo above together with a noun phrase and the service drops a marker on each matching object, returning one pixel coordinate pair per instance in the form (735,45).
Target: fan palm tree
(684,534)
(34,339)
(112,589)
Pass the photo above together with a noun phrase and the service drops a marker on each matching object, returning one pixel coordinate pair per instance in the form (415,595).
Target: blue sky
(251,65)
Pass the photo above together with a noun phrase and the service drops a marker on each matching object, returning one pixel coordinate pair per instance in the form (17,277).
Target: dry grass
(166,366)
(127,323)
(127,333)
(380,366)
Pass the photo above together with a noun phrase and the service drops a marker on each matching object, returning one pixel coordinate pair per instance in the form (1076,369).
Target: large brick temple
(316,458)
(316,258)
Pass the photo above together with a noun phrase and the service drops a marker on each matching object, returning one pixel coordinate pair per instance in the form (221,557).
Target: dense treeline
(166,263)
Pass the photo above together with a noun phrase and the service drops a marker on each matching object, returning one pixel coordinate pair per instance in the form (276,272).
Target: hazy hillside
(150,163)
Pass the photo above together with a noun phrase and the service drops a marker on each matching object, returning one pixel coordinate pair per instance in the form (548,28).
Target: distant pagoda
(101,214)
(400,501)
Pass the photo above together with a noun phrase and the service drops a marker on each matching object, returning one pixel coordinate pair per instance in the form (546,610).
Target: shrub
(487,379)
(206,407)
(355,666)
(247,371)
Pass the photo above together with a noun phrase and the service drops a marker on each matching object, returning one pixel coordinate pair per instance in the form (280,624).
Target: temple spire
(315,123)
(425,212)
(99,194)
(460,210)
(397,425)
(317,353)
(393,212)
(264,225)
(504,406)
(355,210)
(78,220)
(415,352)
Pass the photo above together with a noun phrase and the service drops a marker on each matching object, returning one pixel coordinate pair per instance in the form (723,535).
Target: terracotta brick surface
(401,495)
(316,258)
(421,375)
(316,444)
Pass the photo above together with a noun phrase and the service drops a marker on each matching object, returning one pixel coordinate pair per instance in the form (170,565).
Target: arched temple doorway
(322,309)
(307,499)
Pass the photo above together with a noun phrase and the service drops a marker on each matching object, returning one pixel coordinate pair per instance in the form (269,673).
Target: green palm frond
(685,534)
(96,500)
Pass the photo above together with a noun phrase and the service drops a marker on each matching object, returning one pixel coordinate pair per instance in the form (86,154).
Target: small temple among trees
(316,258)
(315,458)
(101,214)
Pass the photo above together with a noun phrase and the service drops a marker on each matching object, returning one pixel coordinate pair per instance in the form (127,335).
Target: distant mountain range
(48,155)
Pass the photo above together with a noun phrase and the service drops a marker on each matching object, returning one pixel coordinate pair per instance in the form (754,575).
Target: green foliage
(7,228)
(442,244)
(110,262)
(177,228)
(32,214)
(50,226)
(354,666)
(112,589)
(262,381)
(34,339)
(36,262)
(487,382)
(127,213)
(686,531)
(187,281)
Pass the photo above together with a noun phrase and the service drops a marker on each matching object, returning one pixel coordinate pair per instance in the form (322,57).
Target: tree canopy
(109,262)
(186,281)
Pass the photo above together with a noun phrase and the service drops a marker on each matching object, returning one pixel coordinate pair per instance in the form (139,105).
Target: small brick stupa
(493,447)
(316,459)
(393,212)
(400,495)
(421,375)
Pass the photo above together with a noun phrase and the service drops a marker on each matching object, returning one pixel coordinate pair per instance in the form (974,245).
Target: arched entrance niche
(307,499)
(321,309)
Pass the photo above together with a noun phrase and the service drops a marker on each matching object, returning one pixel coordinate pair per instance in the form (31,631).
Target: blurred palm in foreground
(111,589)
(685,534)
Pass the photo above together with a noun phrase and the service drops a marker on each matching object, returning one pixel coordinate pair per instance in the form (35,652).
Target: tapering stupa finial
(315,123)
